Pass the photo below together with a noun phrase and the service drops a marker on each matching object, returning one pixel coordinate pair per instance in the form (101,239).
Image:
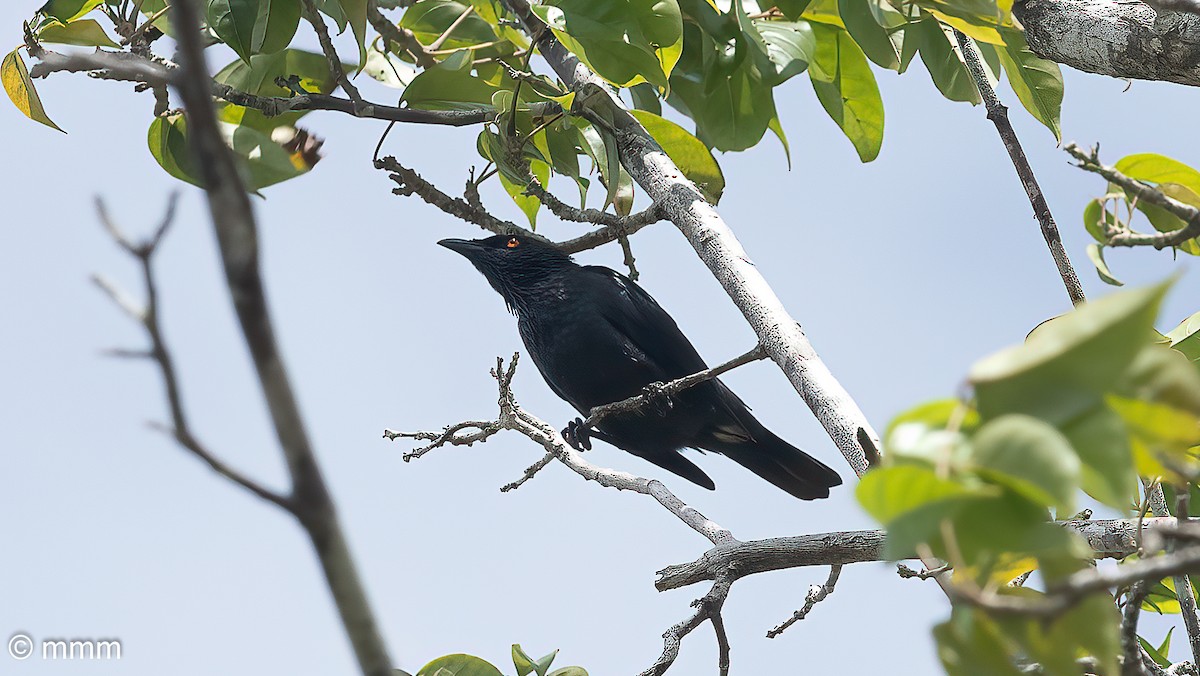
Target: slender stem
(998,114)
(237,239)
(441,39)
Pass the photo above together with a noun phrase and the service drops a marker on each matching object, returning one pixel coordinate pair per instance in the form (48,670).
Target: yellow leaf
(20,89)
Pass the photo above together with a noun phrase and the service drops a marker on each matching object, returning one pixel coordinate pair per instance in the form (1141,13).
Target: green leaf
(233,22)
(449,86)
(1186,338)
(731,105)
(1154,168)
(276,26)
(1029,456)
(623,41)
(889,492)
(792,9)
(941,59)
(846,88)
(687,152)
(356,16)
(21,92)
(569,671)
(82,32)
(67,11)
(921,434)
(263,161)
(790,48)
(459,665)
(645,97)
(1067,364)
(522,661)
(429,20)
(970,644)
(871,37)
(1037,82)
(1095,253)
(1163,375)
(1101,441)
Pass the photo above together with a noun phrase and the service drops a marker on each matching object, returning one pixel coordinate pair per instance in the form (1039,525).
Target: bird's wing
(652,334)
(656,339)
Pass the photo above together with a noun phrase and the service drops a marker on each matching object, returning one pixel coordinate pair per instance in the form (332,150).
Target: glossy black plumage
(597,337)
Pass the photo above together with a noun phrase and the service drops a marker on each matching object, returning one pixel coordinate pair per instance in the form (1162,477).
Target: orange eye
(513,243)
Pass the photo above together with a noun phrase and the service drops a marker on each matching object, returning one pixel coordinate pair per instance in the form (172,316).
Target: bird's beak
(465,247)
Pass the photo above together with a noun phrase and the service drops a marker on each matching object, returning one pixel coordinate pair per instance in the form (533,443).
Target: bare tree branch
(409,182)
(237,239)
(1118,39)
(1107,538)
(707,607)
(148,318)
(1143,192)
(816,594)
(998,114)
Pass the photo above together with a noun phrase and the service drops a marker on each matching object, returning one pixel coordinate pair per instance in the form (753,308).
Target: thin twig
(1132,650)
(335,62)
(816,594)
(707,607)
(1190,215)
(409,182)
(237,241)
(657,391)
(998,114)
(403,37)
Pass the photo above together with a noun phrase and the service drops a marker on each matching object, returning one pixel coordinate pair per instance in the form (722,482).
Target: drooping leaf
(870,36)
(263,161)
(687,152)
(67,11)
(82,32)
(730,103)
(1095,253)
(1067,364)
(21,92)
(449,86)
(846,88)
(356,15)
(1029,456)
(1037,82)
(1186,338)
(941,59)
(790,46)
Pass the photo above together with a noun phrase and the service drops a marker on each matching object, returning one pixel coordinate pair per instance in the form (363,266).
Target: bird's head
(517,266)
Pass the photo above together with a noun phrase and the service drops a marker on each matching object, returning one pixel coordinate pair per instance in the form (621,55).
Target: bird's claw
(658,398)
(577,435)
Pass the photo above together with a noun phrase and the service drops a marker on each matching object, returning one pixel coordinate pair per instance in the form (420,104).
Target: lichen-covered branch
(1122,38)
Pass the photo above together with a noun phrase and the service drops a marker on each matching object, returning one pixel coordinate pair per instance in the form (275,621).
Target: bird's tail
(779,462)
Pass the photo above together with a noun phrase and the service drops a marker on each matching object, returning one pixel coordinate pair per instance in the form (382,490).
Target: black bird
(597,338)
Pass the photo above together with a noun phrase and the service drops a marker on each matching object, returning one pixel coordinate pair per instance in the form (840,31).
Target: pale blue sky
(903,272)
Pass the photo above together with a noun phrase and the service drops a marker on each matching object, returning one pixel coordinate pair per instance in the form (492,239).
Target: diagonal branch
(998,114)
(403,37)
(237,241)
